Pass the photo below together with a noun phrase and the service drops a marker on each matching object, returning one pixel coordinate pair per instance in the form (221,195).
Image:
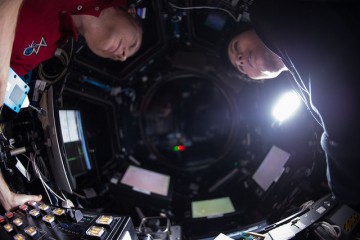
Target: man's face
(116,35)
(249,55)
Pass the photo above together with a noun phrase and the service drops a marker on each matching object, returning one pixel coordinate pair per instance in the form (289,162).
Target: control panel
(37,220)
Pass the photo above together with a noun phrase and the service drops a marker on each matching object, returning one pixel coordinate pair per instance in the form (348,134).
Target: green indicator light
(179,148)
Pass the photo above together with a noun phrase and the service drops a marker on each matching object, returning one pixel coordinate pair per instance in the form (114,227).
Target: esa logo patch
(34,47)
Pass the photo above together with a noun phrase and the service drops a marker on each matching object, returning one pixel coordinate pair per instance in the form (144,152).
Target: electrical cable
(331,231)
(47,193)
(65,60)
(79,195)
(47,186)
(306,205)
(39,174)
(37,171)
(43,170)
(207,7)
(63,194)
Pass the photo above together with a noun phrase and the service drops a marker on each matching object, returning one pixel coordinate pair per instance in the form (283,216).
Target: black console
(37,220)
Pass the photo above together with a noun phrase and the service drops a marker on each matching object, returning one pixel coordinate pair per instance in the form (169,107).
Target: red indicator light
(179,148)
(9,214)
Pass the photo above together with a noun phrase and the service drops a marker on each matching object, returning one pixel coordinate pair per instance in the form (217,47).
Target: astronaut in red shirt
(43,25)
(32,30)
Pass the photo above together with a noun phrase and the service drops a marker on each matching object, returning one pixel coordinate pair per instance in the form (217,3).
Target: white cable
(306,205)
(333,230)
(37,171)
(47,193)
(79,195)
(38,174)
(47,186)
(63,194)
(44,185)
(206,7)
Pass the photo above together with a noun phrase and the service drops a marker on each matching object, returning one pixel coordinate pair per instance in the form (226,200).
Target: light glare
(286,106)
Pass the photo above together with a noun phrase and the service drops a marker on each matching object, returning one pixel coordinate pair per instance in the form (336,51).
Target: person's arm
(10,199)
(9,10)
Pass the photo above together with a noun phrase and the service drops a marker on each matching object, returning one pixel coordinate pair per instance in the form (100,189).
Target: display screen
(75,148)
(271,168)
(212,207)
(146,181)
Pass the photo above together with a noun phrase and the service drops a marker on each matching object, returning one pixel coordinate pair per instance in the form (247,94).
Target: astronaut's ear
(132,12)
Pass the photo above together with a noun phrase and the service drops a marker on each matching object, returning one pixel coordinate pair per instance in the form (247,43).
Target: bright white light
(286,106)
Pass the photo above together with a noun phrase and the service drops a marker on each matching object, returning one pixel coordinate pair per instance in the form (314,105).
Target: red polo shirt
(43,25)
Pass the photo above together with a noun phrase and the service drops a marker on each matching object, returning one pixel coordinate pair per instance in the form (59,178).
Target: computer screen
(271,167)
(146,181)
(75,149)
(216,207)
(67,150)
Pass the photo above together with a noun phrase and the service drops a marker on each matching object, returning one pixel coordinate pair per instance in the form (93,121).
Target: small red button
(9,214)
